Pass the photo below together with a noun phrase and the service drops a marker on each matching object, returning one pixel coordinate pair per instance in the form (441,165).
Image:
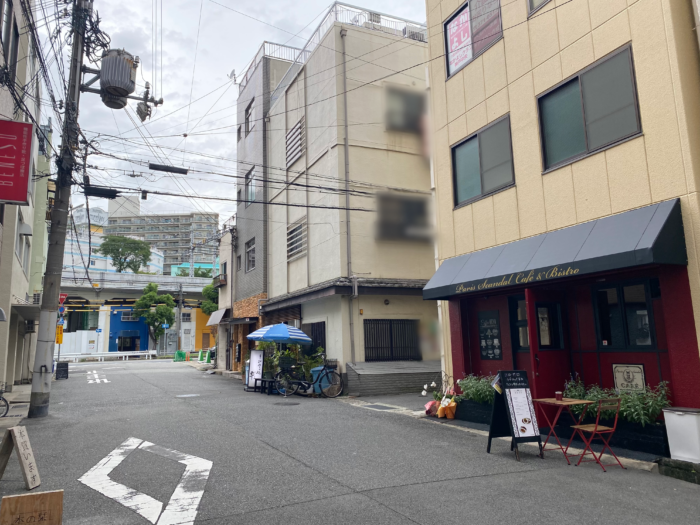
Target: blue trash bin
(317,386)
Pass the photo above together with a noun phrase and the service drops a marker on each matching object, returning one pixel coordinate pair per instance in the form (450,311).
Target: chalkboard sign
(513,412)
(490,338)
(61,371)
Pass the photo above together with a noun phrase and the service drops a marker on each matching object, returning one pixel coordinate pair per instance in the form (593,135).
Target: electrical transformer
(118,74)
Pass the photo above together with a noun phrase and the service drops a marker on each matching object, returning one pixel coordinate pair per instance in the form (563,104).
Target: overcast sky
(227,41)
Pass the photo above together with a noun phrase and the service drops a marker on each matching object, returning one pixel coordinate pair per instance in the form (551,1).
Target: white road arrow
(182,507)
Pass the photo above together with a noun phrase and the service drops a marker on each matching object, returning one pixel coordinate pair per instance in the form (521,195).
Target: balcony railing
(220,280)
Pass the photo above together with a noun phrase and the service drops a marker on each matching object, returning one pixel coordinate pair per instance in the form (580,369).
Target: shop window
(549,326)
(624,315)
(483,163)
(520,338)
(595,109)
(470,32)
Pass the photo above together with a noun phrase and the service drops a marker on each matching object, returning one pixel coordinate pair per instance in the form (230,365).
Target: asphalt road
(311,461)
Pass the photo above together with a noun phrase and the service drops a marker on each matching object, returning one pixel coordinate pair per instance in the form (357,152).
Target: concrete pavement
(311,461)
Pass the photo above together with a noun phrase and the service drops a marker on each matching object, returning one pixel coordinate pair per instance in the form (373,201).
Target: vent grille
(296,142)
(296,240)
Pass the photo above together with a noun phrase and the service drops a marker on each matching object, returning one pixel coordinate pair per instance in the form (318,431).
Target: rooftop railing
(267,49)
(350,15)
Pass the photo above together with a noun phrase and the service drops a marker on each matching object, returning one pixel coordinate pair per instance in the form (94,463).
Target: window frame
(531,11)
(554,310)
(239,263)
(579,74)
(249,181)
(300,240)
(248,120)
(454,15)
(249,247)
(619,287)
(515,324)
(454,147)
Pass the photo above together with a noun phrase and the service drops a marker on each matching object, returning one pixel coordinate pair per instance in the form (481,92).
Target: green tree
(156,310)
(125,252)
(198,272)
(211,299)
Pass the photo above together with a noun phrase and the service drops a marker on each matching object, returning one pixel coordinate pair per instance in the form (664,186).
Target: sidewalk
(19,406)
(413,405)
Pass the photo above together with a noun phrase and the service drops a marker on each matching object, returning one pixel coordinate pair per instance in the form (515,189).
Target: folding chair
(598,431)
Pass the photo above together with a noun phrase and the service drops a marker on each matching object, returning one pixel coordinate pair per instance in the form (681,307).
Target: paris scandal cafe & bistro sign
(513,279)
(15,161)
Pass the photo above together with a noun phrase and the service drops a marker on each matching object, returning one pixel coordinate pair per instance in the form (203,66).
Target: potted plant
(638,426)
(476,400)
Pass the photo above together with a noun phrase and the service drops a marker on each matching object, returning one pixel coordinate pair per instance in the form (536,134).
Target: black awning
(649,235)
(129,333)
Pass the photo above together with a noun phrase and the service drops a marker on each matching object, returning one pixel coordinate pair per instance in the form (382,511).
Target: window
(250,255)
(549,330)
(250,187)
(18,237)
(26,259)
(591,111)
(402,218)
(296,240)
(240,135)
(224,268)
(624,315)
(404,110)
(249,117)
(534,5)
(518,324)
(92,263)
(470,31)
(238,262)
(483,163)
(127,316)
(186,317)
(295,142)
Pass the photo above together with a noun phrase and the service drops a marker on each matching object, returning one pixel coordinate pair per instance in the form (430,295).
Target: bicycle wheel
(4,406)
(286,384)
(331,384)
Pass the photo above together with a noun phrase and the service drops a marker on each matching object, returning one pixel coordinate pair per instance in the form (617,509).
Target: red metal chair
(598,431)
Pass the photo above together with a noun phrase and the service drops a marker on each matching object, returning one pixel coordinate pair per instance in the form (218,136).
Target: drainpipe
(343,34)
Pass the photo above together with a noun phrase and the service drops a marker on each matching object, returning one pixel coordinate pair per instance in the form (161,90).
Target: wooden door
(205,341)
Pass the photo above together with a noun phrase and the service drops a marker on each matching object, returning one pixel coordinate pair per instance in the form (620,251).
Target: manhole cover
(286,404)
(379,407)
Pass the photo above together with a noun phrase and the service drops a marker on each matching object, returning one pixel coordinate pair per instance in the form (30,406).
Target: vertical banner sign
(59,334)
(15,161)
(513,412)
(256,366)
(459,40)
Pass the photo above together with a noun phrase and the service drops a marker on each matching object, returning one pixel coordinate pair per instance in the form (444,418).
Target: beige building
(348,244)
(552,118)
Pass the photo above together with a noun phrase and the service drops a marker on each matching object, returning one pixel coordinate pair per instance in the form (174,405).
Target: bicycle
(4,405)
(288,381)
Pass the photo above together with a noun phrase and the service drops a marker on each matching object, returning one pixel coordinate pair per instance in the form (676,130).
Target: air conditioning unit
(415,33)
(30,327)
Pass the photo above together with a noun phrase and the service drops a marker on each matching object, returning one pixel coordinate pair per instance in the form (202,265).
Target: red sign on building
(15,161)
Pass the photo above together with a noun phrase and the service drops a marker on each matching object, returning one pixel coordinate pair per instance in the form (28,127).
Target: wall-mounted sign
(629,378)
(15,161)
(459,40)
(490,337)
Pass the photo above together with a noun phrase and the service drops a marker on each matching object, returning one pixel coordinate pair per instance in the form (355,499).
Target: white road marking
(188,395)
(94,378)
(182,507)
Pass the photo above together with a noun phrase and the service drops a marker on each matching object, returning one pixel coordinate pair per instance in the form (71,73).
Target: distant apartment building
(172,233)
(349,248)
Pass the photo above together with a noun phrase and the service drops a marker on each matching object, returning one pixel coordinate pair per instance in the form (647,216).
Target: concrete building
(566,167)
(172,233)
(258,81)
(348,266)
(17,335)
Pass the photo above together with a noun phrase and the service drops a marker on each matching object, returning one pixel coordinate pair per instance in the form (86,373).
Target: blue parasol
(280,333)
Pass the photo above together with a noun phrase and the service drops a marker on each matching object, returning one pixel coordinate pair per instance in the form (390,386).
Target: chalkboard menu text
(490,338)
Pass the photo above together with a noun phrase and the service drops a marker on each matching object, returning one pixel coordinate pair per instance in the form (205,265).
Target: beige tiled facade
(537,52)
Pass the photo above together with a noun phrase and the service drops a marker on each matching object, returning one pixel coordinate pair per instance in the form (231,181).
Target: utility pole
(43,362)
(180,332)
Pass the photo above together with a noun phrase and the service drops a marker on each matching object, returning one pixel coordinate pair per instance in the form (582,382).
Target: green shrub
(636,407)
(476,388)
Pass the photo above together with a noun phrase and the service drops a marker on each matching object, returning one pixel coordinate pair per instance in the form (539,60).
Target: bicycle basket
(332,364)
(287,362)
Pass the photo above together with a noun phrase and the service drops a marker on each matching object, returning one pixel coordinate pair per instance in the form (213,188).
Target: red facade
(578,331)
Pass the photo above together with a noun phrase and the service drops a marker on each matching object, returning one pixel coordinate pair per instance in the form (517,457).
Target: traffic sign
(166,326)
(59,334)
(99,330)
(61,310)
(62,298)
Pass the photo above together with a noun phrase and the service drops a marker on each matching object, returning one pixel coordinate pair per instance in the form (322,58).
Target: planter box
(651,439)
(475,412)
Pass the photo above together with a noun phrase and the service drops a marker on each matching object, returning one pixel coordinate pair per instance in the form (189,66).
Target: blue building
(127,333)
